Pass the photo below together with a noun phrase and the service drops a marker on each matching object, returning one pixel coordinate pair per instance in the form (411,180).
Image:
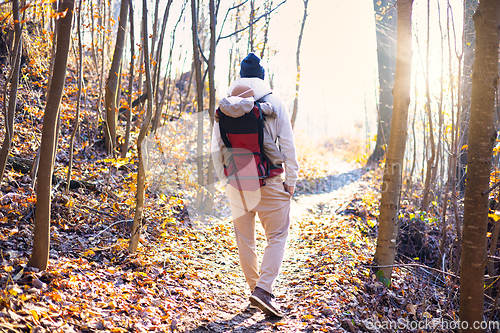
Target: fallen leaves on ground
(186,275)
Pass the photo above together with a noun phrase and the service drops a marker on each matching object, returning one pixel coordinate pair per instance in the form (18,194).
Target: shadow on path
(329,183)
(310,193)
(249,320)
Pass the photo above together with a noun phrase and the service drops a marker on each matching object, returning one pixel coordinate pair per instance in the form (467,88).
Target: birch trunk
(482,135)
(391,185)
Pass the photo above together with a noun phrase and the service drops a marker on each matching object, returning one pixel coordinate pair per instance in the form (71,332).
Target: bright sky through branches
(338,58)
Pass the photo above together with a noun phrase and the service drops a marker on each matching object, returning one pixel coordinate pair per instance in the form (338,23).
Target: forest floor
(320,253)
(186,275)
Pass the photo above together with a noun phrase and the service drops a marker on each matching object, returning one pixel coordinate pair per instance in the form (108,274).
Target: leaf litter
(186,274)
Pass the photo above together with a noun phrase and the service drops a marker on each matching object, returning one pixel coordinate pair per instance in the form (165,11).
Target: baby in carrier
(242,101)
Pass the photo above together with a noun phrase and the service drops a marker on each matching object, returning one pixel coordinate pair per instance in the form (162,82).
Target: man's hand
(289,189)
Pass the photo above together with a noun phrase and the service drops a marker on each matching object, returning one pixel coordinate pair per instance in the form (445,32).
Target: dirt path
(231,313)
(186,276)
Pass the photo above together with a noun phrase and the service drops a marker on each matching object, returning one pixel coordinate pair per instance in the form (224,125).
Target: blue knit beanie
(250,67)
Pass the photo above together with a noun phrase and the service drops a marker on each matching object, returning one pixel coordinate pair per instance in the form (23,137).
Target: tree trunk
(267,7)
(297,80)
(183,103)
(434,190)
(251,27)
(55,7)
(430,162)
(92,35)
(41,240)
(103,61)
(168,90)
(141,63)
(208,203)
(493,248)
(456,174)
(78,97)
(391,185)
(444,227)
(154,34)
(14,82)
(385,20)
(130,83)
(482,136)
(113,78)
(453,180)
(199,102)
(157,70)
(469,42)
(141,172)
(409,181)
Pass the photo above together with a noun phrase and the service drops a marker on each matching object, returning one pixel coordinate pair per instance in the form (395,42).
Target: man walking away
(271,200)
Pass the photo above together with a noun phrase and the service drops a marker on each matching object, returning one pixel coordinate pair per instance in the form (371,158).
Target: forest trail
(308,210)
(186,275)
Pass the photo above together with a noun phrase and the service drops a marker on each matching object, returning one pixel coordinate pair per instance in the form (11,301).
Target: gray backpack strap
(261,100)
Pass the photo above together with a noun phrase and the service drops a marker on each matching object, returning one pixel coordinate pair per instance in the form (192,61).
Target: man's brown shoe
(262,299)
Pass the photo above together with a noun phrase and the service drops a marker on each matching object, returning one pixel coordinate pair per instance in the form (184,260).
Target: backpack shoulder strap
(261,100)
(223,133)
(261,129)
(260,121)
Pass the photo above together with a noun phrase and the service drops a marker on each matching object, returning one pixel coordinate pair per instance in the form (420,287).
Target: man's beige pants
(272,203)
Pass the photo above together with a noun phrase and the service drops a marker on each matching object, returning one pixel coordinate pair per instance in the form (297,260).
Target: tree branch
(251,23)
(491,188)
(227,13)
(201,52)
(415,265)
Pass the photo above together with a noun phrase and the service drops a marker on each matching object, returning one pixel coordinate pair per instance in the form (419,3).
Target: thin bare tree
(251,33)
(157,69)
(297,80)
(41,239)
(268,5)
(112,85)
(431,161)
(78,96)
(9,112)
(468,45)
(141,171)
(209,198)
(130,83)
(199,102)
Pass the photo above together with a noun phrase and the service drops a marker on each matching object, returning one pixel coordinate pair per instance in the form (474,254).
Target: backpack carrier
(245,164)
